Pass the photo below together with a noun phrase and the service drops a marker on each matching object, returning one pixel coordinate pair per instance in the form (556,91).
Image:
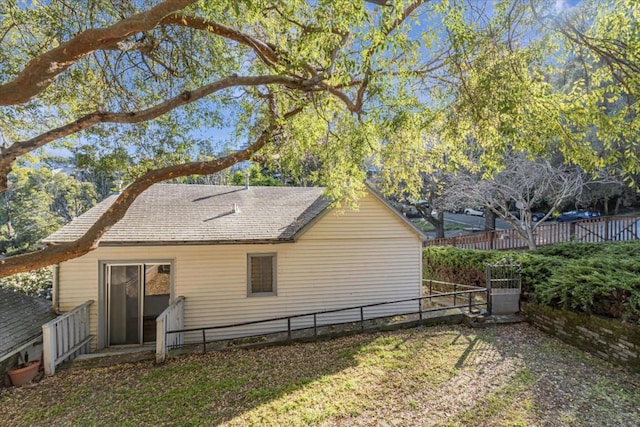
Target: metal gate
(504,283)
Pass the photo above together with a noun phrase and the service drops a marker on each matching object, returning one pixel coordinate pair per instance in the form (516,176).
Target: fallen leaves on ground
(445,375)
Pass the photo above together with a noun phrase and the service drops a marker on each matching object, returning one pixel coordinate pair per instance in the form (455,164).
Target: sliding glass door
(136,294)
(157,290)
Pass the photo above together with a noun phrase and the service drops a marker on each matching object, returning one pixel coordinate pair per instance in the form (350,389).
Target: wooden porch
(67,338)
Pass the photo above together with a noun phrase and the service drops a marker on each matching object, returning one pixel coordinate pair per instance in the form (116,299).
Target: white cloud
(562,5)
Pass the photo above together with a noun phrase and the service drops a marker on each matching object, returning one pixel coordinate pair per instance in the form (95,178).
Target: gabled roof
(205,214)
(21,320)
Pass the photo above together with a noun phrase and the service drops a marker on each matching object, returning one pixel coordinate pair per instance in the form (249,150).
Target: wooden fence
(171,319)
(594,230)
(65,337)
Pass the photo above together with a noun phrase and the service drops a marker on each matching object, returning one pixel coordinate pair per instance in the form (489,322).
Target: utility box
(504,285)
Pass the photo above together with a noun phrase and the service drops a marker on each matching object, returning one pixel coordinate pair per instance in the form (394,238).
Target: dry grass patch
(448,375)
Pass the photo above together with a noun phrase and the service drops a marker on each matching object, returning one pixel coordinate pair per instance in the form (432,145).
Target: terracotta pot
(22,376)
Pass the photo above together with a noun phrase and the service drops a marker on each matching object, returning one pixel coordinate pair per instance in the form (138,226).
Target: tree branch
(89,241)
(9,155)
(359,101)
(39,73)
(608,50)
(265,51)
(411,7)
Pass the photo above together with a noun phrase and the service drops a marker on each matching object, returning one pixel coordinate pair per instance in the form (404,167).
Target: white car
(473,211)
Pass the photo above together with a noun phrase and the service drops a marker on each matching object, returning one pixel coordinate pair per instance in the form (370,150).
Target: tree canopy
(174,88)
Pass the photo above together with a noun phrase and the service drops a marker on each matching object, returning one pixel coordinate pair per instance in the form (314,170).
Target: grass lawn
(446,375)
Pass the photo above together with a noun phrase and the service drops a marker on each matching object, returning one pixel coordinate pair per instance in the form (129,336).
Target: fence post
(488,279)
(85,330)
(161,337)
(572,231)
(361,318)
(455,290)
(180,338)
(50,348)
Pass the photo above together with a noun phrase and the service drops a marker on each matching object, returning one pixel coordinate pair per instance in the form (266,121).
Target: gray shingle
(183,213)
(21,319)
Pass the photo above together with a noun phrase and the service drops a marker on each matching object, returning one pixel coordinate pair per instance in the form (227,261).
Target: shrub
(468,266)
(35,283)
(571,250)
(601,284)
(599,278)
(455,265)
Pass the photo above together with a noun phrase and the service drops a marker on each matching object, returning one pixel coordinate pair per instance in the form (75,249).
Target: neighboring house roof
(21,320)
(188,213)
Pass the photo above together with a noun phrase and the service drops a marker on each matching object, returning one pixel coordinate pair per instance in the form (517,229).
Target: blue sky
(224,137)
(565,4)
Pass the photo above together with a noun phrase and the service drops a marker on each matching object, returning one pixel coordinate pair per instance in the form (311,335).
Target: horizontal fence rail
(65,337)
(465,298)
(594,230)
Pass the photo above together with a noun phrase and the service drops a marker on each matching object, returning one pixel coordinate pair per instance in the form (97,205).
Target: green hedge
(36,283)
(602,278)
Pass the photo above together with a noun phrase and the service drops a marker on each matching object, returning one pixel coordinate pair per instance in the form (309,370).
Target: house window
(261,274)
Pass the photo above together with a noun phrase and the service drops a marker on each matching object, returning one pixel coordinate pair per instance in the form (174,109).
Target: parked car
(412,212)
(577,215)
(407,210)
(474,211)
(535,216)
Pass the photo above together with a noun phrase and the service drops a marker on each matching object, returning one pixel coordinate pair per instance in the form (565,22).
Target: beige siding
(372,220)
(345,259)
(77,283)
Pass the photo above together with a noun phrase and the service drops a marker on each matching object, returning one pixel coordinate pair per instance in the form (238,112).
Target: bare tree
(523,184)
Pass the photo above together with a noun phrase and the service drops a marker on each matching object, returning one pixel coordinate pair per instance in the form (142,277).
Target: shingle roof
(21,319)
(187,213)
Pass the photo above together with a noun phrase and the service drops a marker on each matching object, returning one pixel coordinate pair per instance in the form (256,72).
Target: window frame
(274,272)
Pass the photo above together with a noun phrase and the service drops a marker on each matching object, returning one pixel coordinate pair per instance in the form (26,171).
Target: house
(21,320)
(237,254)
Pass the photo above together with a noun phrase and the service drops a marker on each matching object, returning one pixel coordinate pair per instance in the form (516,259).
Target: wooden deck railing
(603,229)
(171,318)
(65,337)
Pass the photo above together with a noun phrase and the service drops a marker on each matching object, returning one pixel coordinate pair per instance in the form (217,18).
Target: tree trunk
(529,235)
(439,225)
(437,222)
(489,220)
